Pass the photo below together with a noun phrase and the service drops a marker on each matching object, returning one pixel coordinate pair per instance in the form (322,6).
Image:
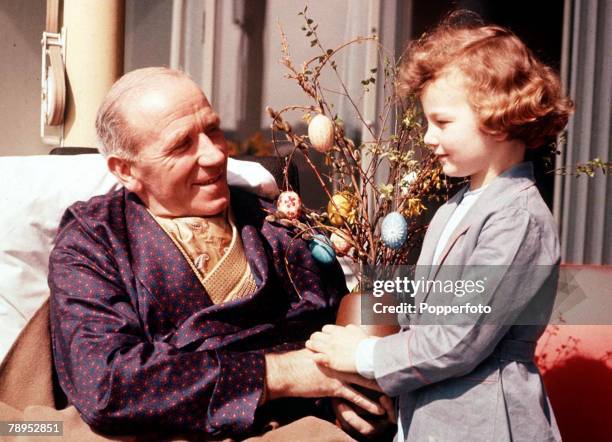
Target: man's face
(181,168)
(453,131)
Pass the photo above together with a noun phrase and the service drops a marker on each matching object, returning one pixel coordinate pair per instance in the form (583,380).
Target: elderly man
(172,306)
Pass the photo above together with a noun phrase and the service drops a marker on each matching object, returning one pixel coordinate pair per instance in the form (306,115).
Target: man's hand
(336,346)
(352,420)
(296,374)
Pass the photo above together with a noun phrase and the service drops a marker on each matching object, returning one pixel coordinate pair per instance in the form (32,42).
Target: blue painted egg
(321,249)
(394,230)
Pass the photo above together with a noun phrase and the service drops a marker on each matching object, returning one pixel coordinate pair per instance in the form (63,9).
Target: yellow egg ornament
(321,133)
(341,208)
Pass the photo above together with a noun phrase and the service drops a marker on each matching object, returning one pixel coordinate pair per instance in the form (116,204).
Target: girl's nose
(430,139)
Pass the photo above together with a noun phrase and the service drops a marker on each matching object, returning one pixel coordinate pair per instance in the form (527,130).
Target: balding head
(115,135)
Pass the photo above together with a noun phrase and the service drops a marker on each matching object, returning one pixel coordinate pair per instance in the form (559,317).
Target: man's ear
(123,170)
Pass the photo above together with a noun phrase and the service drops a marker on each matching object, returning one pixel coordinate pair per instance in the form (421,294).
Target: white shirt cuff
(364,358)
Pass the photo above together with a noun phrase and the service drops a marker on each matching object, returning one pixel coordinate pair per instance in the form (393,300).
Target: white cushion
(36,190)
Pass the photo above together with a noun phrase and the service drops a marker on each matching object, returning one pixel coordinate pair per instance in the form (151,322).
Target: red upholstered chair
(576,360)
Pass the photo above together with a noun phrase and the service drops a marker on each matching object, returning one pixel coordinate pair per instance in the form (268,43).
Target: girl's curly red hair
(511,91)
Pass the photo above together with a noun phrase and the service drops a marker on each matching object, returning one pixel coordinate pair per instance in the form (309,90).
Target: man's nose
(209,154)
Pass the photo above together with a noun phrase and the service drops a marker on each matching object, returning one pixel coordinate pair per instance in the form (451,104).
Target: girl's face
(453,131)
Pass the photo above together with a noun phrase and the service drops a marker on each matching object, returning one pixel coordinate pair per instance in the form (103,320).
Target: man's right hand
(296,374)
(358,425)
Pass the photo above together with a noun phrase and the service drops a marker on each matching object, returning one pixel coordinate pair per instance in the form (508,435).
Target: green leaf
(313,42)
(309,33)
(309,21)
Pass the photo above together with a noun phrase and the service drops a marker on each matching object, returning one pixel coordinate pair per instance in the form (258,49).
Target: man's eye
(214,131)
(183,145)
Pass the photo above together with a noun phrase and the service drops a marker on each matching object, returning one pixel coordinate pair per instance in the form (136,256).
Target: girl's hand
(336,346)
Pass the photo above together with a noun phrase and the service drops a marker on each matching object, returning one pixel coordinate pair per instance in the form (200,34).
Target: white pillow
(36,190)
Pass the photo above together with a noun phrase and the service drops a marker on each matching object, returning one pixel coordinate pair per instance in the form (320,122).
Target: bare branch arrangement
(589,168)
(372,223)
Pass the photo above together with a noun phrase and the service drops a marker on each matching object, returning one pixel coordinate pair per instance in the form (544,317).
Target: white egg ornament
(290,204)
(394,230)
(340,243)
(321,133)
(322,250)
(407,180)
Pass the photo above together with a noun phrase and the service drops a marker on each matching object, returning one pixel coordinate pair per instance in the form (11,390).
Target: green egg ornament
(321,249)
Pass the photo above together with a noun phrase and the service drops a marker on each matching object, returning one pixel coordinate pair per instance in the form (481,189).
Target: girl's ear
(494,134)
(500,136)
(124,171)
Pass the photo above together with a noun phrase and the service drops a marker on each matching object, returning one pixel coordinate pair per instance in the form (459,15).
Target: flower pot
(349,312)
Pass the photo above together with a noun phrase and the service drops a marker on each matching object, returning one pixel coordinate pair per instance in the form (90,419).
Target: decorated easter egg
(407,180)
(321,133)
(340,242)
(340,208)
(290,204)
(321,249)
(394,230)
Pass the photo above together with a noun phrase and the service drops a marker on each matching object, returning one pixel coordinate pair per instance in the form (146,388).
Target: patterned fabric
(205,240)
(214,250)
(138,344)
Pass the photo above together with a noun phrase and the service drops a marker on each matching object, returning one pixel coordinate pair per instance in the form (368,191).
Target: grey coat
(479,382)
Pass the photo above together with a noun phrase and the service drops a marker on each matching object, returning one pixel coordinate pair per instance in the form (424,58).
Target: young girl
(486,99)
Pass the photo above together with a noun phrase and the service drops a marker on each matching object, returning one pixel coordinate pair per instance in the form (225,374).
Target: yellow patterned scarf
(213,249)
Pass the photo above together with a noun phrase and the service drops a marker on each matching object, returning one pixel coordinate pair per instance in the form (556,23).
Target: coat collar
(501,190)
(436,226)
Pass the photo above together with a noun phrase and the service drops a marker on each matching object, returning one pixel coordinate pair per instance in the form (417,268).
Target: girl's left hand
(336,346)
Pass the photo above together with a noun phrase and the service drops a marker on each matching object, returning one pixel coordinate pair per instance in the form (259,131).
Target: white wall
(147,33)
(244,85)
(248,74)
(21,26)
(147,43)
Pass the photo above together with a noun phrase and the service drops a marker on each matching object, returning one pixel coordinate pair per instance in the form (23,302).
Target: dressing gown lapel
(160,267)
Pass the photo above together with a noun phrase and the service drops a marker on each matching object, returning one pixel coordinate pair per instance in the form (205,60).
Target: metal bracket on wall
(53,87)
